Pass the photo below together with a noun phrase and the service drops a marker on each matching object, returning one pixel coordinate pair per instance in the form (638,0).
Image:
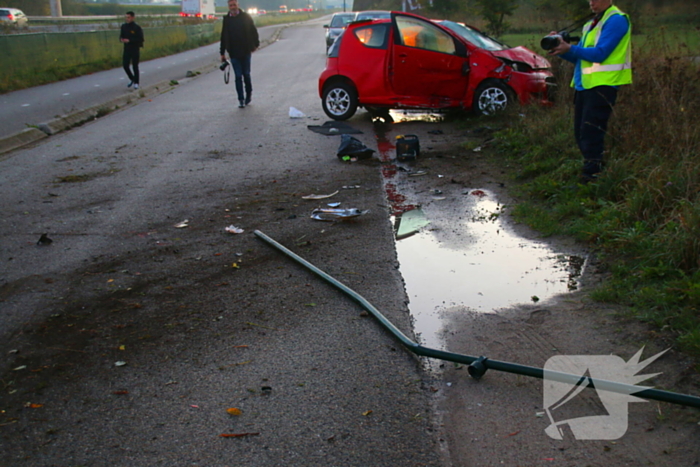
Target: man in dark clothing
(239,38)
(132,36)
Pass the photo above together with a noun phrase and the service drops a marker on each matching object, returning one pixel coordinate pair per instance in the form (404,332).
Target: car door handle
(403,55)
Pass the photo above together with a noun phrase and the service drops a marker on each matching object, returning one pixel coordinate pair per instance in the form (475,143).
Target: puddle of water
(484,267)
(493,269)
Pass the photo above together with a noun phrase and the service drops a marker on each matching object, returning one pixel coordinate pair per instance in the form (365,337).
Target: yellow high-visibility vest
(615,70)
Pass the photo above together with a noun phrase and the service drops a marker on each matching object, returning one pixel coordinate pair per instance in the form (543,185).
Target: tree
(495,12)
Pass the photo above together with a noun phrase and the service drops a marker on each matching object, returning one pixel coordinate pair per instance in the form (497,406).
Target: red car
(410,62)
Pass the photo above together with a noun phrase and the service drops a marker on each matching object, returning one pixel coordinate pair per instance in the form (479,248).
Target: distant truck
(198,8)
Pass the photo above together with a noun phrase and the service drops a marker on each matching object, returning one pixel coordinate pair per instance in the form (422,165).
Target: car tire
(492,97)
(339,101)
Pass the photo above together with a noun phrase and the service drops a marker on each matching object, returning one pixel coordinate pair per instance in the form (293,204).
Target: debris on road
(353,147)
(410,222)
(44,240)
(296,113)
(182,225)
(232,229)
(320,196)
(332,215)
(334,128)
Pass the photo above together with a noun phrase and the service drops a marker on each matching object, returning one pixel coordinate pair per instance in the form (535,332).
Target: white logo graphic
(558,390)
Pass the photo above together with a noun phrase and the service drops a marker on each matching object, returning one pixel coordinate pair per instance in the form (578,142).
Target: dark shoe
(241,104)
(131,83)
(248,99)
(588,178)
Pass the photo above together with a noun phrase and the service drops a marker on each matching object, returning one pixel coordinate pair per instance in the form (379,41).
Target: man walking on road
(239,38)
(603,62)
(131,36)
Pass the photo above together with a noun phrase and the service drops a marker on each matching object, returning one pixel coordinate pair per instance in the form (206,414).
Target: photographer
(239,38)
(603,62)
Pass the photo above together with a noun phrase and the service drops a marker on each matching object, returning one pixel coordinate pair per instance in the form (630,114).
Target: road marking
(26,105)
(66,94)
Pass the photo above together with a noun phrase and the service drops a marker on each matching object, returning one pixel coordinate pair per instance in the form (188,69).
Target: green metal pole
(487,363)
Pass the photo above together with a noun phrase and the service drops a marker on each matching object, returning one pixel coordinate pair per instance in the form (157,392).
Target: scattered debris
(332,215)
(353,147)
(120,363)
(237,435)
(44,240)
(232,229)
(410,222)
(296,113)
(320,196)
(233,411)
(351,187)
(478,193)
(334,128)
(407,147)
(435,132)
(182,225)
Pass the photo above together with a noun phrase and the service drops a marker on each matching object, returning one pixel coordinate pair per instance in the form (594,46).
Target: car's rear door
(428,65)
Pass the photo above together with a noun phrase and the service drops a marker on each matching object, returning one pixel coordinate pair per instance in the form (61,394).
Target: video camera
(549,42)
(553,40)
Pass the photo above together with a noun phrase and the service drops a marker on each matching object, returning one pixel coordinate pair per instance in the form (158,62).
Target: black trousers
(592,110)
(132,56)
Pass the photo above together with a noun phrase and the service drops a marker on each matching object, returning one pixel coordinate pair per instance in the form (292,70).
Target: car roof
(374,14)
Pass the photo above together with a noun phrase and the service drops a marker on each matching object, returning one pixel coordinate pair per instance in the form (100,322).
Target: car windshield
(474,36)
(339,21)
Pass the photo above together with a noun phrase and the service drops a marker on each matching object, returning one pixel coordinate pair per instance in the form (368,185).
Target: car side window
(374,36)
(422,35)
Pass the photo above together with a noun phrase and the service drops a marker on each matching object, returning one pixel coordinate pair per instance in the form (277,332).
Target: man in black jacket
(131,36)
(239,38)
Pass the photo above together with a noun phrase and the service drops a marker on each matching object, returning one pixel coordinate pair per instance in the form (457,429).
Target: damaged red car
(410,62)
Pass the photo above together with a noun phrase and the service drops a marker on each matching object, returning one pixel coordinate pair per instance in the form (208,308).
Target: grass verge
(642,217)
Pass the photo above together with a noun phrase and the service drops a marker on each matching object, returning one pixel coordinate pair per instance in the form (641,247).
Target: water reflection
(492,268)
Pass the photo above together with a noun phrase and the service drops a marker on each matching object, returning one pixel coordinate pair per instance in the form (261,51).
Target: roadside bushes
(643,215)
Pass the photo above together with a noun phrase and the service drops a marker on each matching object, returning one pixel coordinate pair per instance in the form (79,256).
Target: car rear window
(340,21)
(374,36)
(422,35)
(4,12)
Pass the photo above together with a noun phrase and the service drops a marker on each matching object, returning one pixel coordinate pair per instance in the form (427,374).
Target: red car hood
(521,54)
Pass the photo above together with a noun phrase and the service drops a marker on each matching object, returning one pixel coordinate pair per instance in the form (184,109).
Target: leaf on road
(367,413)
(233,411)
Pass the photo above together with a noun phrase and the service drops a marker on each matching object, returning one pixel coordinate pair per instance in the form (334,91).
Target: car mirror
(326,26)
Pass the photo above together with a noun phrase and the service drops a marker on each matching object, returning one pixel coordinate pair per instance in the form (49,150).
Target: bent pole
(479,365)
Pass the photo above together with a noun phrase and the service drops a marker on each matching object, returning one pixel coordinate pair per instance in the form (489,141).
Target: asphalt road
(21,109)
(129,337)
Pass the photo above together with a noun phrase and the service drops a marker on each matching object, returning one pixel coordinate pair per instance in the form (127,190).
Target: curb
(80,117)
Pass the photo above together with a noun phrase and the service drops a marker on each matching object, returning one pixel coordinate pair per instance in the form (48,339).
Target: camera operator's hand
(560,49)
(223,58)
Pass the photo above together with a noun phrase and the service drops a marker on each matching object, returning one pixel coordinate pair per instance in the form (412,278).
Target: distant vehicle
(198,9)
(14,17)
(373,14)
(410,62)
(283,9)
(338,23)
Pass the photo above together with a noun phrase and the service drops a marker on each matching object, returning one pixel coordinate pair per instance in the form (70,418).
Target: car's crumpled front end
(531,76)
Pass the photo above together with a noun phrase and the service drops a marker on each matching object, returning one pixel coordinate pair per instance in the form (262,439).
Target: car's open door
(427,64)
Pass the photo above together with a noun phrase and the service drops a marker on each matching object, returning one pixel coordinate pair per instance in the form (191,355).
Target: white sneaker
(136,85)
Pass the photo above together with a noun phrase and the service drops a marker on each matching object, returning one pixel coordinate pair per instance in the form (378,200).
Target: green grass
(642,218)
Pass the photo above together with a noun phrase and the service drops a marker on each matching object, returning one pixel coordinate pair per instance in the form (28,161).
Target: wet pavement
(456,250)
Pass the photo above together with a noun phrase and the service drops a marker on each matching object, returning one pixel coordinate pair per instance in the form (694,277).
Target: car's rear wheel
(339,101)
(492,97)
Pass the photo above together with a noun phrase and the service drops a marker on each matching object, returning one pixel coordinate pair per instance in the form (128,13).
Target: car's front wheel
(340,101)
(491,98)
